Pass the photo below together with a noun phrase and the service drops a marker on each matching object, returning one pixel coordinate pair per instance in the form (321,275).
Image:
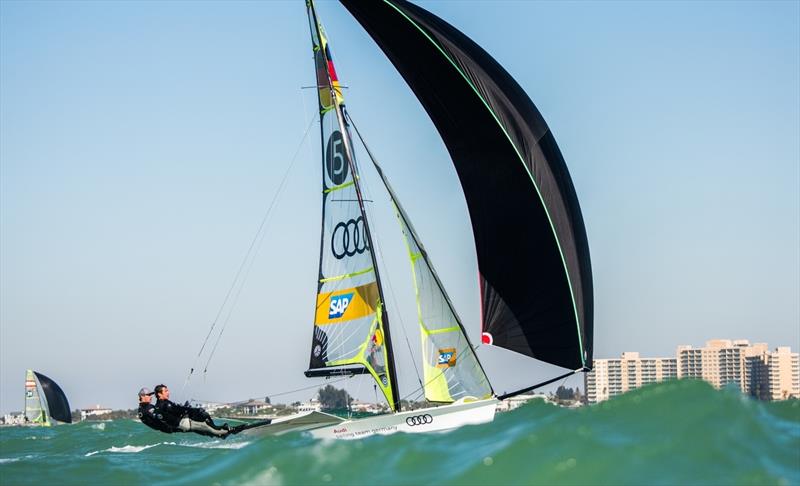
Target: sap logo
(339,304)
(447,358)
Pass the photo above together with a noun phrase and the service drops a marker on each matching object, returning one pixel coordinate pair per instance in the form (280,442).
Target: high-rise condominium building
(754,369)
(611,377)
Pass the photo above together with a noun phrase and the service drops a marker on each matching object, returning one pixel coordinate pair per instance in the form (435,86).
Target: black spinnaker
(533,254)
(57,404)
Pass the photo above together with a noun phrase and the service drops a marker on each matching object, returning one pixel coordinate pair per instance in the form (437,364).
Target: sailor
(183,418)
(148,413)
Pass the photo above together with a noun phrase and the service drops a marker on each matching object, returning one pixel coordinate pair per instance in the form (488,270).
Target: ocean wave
(680,432)
(8,460)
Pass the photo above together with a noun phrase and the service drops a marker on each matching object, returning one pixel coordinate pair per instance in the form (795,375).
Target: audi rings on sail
(350,332)
(349,238)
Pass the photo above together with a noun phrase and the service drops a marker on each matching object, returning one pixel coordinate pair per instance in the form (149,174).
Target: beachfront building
(784,374)
(254,407)
(312,405)
(721,362)
(14,418)
(753,368)
(95,411)
(517,401)
(611,377)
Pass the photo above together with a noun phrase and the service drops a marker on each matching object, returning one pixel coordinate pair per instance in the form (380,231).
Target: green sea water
(680,432)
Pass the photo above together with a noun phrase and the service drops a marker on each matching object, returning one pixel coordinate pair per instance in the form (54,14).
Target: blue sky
(141,143)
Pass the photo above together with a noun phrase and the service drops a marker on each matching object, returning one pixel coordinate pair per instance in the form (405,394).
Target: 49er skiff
(536,288)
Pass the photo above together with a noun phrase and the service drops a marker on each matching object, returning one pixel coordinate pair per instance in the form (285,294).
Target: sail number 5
(335,163)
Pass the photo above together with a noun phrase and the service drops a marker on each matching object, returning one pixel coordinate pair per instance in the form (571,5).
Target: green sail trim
(438,331)
(347,275)
(339,187)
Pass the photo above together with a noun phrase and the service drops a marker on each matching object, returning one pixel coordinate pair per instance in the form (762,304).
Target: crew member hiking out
(182,418)
(148,413)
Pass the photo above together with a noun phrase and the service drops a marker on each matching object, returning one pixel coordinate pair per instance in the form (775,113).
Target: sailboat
(45,401)
(530,240)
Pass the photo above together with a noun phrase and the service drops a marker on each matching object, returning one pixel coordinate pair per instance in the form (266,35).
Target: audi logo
(419,420)
(349,238)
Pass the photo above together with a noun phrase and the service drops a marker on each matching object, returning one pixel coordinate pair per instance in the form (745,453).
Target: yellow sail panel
(372,355)
(436,387)
(346,305)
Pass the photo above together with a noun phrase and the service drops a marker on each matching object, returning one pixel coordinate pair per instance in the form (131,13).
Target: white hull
(294,423)
(436,419)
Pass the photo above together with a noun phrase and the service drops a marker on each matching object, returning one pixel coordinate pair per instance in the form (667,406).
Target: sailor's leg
(203,428)
(185,425)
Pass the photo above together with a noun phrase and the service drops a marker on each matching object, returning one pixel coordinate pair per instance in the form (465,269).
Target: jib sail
(451,370)
(532,250)
(351,333)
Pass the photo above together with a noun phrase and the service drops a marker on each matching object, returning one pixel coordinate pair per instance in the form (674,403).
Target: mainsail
(533,254)
(35,402)
(351,332)
(45,401)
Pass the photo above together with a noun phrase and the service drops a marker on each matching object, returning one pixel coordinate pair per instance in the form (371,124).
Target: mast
(338,106)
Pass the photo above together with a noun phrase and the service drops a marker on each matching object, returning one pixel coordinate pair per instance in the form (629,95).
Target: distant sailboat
(533,258)
(45,401)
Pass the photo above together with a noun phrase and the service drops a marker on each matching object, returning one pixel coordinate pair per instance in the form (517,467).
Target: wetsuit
(152,418)
(189,419)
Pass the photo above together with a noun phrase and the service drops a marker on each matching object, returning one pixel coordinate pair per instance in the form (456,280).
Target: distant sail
(533,254)
(35,402)
(350,335)
(45,401)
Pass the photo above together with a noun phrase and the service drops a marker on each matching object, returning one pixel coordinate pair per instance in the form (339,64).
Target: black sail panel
(533,254)
(57,403)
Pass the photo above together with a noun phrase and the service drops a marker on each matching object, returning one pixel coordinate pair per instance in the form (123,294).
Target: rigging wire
(236,280)
(271,395)
(260,235)
(380,255)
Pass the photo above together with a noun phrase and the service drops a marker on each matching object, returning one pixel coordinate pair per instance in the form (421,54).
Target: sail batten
(533,256)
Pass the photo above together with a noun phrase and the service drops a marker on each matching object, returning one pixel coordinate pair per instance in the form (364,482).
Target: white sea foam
(7,460)
(100,426)
(270,476)
(215,445)
(128,449)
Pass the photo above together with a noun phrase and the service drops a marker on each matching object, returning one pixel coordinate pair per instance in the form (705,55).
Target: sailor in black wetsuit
(148,413)
(182,418)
